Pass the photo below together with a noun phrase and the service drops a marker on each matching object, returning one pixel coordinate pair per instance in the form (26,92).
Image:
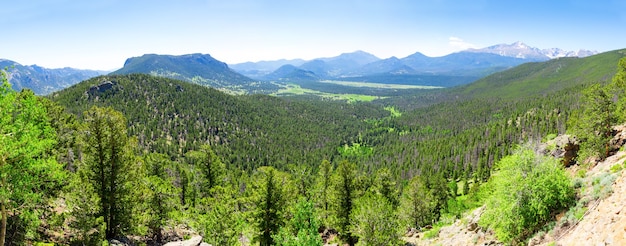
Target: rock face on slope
(194,241)
(563,147)
(604,222)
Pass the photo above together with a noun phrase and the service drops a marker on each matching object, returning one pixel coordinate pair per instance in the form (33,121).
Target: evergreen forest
(143,160)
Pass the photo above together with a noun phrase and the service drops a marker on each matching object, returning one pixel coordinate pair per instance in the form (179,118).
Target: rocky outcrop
(564,147)
(619,138)
(194,241)
(101,88)
(604,222)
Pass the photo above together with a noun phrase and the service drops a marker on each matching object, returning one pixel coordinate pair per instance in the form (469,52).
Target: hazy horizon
(101,35)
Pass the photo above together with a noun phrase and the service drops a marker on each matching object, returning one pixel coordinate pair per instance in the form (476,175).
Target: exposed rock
(411,232)
(194,241)
(101,88)
(604,222)
(564,147)
(328,234)
(619,137)
(472,227)
(120,242)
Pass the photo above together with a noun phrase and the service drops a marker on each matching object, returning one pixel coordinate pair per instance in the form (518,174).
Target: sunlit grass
(293,89)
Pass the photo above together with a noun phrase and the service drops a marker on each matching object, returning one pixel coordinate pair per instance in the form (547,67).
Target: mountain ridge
(521,50)
(470,62)
(196,68)
(43,80)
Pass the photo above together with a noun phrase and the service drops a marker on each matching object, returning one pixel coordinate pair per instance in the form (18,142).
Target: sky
(102,34)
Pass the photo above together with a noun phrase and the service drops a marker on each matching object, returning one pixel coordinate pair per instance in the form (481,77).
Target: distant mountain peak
(195,68)
(43,80)
(520,44)
(521,50)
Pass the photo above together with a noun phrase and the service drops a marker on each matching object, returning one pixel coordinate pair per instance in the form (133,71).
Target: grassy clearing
(293,89)
(394,112)
(379,85)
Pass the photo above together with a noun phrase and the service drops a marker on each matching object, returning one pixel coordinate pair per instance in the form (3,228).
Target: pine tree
(160,194)
(386,186)
(302,228)
(345,192)
(416,204)
(210,165)
(109,167)
(271,200)
(323,190)
(595,121)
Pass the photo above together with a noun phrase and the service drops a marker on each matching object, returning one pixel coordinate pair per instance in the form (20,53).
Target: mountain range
(257,77)
(471,62)
(44,80)
(523,51)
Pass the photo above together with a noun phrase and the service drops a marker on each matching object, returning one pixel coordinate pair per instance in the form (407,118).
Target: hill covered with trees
(133,157)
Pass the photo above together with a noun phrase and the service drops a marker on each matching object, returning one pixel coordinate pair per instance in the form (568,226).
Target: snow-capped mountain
(521,50)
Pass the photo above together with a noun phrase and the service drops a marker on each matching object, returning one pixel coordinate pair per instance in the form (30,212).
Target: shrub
(375,221)
(525,192)
(603,185)
(616,168)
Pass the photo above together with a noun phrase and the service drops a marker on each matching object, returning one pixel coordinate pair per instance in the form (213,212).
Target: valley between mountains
(505,145)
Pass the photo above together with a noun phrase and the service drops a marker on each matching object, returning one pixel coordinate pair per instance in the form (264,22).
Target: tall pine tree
(345,188)
(109,167)
(271,197)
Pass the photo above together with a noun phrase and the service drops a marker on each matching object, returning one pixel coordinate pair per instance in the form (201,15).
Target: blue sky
(101,34)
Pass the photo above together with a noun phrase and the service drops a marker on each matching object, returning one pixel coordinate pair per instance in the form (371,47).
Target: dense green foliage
(273,170)
(416,204)
(173,117)
(272,196)
(28,171)
(525,191)
(109,167)
(594,122)
(375,221)
(345,189)
(545,77)
(301,230)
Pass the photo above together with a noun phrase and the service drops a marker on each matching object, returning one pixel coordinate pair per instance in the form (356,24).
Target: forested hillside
(135,158)
(199,69)
(172,117)
(525,80)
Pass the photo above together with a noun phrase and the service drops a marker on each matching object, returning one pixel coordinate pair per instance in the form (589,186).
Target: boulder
(619,137)
(564,147)
(472,226)
(194,241)
(120,242)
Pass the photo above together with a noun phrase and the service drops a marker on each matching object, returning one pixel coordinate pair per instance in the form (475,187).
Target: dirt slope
(605,221)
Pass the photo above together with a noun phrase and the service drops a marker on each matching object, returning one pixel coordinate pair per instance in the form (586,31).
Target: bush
(603,185)
(526,190)
(375,221)
(616,168)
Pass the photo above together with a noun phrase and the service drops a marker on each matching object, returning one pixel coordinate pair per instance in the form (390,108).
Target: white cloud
(458,44)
